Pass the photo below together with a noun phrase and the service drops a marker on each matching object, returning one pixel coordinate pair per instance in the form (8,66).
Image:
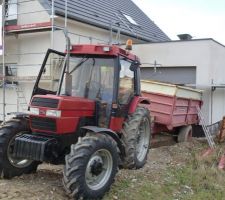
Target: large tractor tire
(185,134)
(136,134)
(9,165)
(90,167)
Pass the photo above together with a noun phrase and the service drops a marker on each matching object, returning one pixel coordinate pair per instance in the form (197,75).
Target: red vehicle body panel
(99,50)
(138,100)
(72,109)
(170,111)
(116,123)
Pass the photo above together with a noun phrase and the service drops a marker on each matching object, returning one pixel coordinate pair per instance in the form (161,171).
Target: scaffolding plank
(24,78)
(28,28)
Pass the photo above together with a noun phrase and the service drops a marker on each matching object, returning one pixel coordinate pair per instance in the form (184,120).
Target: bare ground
(129,184)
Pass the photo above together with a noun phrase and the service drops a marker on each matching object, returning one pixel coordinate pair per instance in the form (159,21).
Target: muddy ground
(46,183)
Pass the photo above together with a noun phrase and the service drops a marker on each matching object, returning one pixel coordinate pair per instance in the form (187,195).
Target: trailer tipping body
(171,105)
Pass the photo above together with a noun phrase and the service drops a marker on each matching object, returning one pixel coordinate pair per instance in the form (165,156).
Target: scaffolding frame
(32,28)
(28,29)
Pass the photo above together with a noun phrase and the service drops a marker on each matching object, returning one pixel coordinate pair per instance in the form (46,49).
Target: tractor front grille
(45,102)
(45,124)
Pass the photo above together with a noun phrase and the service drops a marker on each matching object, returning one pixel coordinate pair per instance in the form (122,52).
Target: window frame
(130,19)
(134,80)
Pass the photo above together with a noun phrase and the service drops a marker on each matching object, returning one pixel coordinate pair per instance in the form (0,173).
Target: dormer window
(130,19)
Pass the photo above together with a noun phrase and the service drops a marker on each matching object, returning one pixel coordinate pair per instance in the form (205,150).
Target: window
(11,7)
(10,70)
(126,85)
(53,66)
(94,79)
(130,19)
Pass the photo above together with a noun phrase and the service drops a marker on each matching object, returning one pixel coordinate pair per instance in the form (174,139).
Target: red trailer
(173,108)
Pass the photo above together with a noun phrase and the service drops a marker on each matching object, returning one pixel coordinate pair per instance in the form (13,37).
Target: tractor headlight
(34,111)
(53,113)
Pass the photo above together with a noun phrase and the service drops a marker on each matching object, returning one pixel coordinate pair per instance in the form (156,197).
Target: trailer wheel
(185,134)
(136,135)
(90,167)
(9,165)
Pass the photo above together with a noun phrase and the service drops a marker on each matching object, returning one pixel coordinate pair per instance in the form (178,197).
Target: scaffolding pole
(3,58)
(53,21)
(66,13)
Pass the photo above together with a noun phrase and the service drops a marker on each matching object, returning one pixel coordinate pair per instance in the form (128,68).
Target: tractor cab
(106,75)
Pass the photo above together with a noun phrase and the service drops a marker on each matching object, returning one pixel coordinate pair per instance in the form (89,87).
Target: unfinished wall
(26,51)
(32,12)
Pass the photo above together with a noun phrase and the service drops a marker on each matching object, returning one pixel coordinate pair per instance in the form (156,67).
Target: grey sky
(200,18)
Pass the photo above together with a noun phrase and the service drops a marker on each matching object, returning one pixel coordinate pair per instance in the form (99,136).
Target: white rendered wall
(36,13)
(208,57)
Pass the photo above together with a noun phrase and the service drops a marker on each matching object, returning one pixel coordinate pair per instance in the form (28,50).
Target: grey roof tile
(100,12)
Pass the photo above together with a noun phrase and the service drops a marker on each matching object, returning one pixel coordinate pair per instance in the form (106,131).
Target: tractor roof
(102,50)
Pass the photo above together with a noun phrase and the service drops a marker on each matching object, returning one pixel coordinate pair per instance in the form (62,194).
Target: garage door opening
(175,75)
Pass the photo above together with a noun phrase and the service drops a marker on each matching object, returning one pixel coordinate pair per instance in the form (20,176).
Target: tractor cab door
(128,86)
(49,74)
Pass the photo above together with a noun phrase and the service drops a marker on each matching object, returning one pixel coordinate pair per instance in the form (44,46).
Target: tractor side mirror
(134,65)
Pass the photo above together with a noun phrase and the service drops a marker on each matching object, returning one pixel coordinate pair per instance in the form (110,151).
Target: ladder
(21,99)
(207,133)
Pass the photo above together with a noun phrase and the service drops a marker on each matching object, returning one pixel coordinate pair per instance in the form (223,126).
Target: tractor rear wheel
(185,134)
(90,167)
(136,135)
(11,166)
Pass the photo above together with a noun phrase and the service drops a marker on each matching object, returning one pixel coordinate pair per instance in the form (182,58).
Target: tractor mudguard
(137,100)
(18,114)
(109,132)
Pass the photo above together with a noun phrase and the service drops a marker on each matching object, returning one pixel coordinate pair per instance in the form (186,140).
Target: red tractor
(89,116)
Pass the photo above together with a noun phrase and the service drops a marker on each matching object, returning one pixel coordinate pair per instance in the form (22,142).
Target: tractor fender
(110,133)
(18,114)
(138,100)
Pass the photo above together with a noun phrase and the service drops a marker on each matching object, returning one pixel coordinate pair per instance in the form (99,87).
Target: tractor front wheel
(11,166)
(90,167)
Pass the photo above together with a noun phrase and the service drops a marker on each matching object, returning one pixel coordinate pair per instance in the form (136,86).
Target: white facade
(207,55)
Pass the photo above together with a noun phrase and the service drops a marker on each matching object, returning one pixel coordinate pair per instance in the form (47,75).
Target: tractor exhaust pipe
(66,65)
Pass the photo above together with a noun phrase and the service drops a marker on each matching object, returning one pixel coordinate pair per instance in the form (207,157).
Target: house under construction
(33,26)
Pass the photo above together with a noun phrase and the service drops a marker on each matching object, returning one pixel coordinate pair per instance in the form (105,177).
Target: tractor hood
(64,103)
(59,114)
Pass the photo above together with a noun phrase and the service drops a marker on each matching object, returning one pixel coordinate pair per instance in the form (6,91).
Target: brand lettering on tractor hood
(42,112)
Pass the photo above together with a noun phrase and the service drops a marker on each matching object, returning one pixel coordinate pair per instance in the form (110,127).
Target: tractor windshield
(89,77)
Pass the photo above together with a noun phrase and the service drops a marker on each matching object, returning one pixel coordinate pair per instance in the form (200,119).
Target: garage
(175,75)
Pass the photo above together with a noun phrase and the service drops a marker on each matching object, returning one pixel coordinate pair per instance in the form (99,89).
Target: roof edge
(193,40)
(106,28)
(47,6)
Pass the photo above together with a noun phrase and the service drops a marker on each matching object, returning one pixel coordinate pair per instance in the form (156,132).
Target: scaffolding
(15,30)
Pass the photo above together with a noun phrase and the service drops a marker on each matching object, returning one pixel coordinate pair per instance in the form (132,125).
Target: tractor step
(33,147)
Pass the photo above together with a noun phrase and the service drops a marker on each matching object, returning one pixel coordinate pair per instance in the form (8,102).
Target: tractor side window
(126,85)
(107,78)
